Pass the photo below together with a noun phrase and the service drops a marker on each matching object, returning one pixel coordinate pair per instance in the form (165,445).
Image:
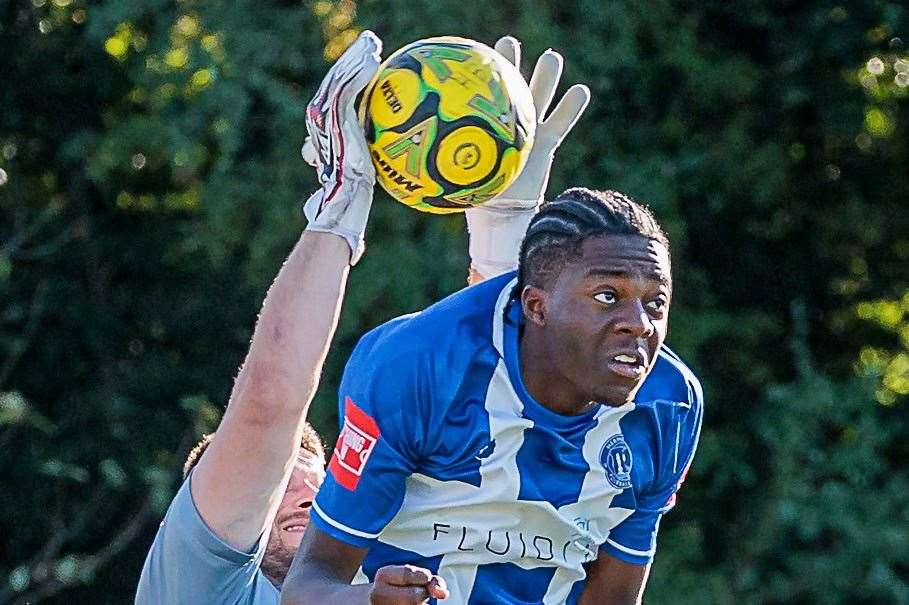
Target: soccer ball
(449,122)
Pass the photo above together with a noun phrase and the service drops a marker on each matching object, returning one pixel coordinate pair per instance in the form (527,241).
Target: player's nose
(631,318)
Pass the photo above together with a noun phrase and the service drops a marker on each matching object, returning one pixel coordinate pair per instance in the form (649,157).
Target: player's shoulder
(455,327)
(671,404)
(414,369)
(671,382)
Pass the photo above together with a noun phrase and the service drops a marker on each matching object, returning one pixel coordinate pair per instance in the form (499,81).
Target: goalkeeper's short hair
(311,442)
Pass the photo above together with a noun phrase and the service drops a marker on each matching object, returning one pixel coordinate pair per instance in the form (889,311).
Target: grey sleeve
(188,563)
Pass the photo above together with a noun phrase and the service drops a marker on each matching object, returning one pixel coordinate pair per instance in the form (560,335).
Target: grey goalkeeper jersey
(189,564)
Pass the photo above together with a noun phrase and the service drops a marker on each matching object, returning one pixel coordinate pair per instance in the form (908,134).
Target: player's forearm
(614,582)
(241,477)
(315,588)
(294,330)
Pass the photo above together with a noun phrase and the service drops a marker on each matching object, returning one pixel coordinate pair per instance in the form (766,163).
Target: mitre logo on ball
(449,122)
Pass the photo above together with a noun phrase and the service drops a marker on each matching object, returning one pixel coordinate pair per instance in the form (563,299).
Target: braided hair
(556,233)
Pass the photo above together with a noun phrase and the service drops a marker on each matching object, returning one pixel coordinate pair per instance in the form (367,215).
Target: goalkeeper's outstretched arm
(241,478)
(498,226)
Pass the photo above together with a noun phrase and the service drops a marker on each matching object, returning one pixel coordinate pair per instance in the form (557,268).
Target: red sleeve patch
(355,444)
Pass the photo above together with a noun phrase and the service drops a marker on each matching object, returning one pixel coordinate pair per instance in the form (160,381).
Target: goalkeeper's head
(595,284)
(292,516)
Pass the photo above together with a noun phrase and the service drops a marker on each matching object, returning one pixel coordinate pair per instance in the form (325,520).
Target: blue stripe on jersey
(554,441)
(524,585)
(457,458)
(382,554)
(560,454)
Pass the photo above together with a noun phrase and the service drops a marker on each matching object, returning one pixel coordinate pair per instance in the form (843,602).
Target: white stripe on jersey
(559,587)
(341,526)
(631,551)
(596,492)
(430,504)
(498,329)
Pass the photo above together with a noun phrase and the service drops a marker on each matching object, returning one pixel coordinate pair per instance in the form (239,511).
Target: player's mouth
(296,523)
(628,364)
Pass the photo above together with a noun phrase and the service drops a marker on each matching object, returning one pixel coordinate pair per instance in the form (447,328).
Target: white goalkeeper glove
(498,226)
(336,146)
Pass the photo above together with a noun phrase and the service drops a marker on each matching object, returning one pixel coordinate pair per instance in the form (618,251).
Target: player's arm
(388,416)
(497,227)
(240,479)
(324,566)
(619,574)
(611,581)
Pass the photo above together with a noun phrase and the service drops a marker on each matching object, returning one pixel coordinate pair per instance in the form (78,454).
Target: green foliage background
(150,188)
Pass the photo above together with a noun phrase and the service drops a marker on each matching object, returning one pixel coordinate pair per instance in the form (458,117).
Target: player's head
(594,279)
(293,512)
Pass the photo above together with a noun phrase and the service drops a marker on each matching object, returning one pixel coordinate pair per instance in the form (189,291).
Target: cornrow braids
(555,234)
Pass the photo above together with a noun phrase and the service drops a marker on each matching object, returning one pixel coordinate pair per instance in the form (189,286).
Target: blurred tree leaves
(151,182)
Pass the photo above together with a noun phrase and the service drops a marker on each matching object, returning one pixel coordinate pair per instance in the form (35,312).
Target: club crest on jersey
(356,442)
(616,459)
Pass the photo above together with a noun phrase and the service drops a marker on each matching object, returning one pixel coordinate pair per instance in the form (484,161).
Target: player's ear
(533,301)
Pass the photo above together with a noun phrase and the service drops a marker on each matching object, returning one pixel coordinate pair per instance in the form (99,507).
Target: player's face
(293,515)
(607,314)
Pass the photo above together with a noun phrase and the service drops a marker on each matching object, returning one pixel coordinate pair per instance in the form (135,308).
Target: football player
(233,527)
(235,523)
(503,445)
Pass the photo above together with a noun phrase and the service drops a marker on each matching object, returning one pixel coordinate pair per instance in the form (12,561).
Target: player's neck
(543,380)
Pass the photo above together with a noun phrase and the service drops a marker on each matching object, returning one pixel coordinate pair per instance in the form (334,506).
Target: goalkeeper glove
(498,226)
(336,146)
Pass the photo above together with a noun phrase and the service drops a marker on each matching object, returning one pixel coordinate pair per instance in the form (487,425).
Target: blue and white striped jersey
(445,461)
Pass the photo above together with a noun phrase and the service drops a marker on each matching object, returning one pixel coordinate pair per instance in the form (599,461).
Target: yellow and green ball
(449,122)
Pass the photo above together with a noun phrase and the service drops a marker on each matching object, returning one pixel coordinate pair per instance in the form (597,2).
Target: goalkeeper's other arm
(497,227)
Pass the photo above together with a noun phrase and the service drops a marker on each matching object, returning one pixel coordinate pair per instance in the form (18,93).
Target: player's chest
(515,489)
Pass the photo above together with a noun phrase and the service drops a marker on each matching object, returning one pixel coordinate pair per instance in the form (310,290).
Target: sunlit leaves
(177,58)
(889,365)
(337,19)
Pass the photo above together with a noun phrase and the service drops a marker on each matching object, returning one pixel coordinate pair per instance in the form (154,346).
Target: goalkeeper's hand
(498,226)
(336,146)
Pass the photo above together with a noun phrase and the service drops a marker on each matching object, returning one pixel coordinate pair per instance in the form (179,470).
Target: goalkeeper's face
(293,515)
(606,315)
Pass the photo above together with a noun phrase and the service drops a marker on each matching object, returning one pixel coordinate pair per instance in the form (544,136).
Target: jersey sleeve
(188,563)
(383,401)
(634,540)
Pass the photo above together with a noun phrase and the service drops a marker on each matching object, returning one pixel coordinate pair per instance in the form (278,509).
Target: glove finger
(544,80)
(309,152)
(365,49)
(358,67)
(353,70)
(510,48)
(334,101)
(348,92)
(566,113)
(357,156)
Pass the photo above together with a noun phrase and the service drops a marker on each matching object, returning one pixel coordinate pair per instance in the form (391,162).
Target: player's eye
(658,305)
(606,298)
